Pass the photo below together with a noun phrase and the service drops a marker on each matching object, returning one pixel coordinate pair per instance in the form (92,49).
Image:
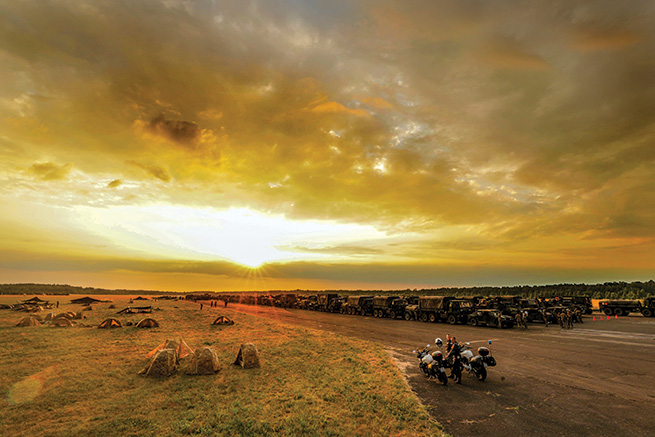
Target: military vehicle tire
(433,318)
(424,317)
(482,375)
(608,311)
(473,321)
(451,319)
(392,314)
(647,312)
(618,311)
(408,316)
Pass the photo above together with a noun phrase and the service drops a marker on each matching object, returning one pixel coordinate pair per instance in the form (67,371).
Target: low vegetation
(83,381)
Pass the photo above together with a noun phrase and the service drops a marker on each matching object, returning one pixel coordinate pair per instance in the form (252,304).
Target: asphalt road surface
(595,379)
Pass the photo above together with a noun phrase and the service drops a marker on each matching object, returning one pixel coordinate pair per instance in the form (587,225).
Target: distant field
(83,381)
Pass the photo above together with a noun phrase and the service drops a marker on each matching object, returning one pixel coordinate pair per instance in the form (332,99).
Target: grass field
(83,381)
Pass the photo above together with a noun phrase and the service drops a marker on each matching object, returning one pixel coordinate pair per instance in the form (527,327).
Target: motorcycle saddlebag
(483,351)
(491,361)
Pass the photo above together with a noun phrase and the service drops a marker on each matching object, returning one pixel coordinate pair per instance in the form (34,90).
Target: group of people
(214,304)
(522,319)
(568,316)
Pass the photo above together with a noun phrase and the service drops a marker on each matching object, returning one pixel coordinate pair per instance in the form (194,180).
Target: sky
(263,145)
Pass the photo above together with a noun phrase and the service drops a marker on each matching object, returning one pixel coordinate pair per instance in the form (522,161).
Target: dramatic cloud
(467,133)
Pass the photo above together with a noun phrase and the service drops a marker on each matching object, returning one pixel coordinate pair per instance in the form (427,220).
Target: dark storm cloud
(183,132)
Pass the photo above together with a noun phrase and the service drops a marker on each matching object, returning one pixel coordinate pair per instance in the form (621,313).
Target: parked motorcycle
(477,365)
(424,359)
(437,368)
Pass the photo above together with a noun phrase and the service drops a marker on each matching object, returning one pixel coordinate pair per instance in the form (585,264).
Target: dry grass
(83,381)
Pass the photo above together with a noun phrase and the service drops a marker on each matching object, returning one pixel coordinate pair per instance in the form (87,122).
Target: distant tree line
(607,290)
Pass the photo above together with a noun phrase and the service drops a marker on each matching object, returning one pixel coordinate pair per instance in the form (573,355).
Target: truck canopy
(383,301)
(433,302)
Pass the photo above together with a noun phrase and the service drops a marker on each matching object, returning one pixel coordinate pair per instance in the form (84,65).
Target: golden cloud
(49,171)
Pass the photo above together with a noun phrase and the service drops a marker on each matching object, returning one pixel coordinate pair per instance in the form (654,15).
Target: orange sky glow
(261,145)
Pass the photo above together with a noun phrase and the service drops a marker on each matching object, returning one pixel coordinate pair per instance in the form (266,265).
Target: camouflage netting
(203,362)
(148,323)
(61,322)
(223,320)
(163,364)
(110,323)
(28,321)
(248,357)
(182,350)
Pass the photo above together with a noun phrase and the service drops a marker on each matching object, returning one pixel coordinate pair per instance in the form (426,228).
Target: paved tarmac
(595,379)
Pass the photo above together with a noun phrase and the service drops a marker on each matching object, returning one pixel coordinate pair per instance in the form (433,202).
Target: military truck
(581,302)
(534,309)
(324,301)
(648,307)
(308,302)
(619,307)
(389,306)
(490,318)
(440,308)
(361,305)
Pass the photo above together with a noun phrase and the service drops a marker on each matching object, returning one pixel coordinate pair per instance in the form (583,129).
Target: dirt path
(596,379)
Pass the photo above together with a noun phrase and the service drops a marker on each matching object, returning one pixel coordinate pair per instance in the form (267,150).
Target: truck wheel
(608,311)
(392,314)
(647,312)
(451,319)
(424,317)
(473,321)
(433,318)
(408,316)
(375,313)
(618,311)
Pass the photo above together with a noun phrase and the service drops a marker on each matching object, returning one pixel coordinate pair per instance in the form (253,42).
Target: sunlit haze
(183,145)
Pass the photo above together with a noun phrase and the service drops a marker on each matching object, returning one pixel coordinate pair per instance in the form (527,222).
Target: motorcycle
(424,359)
(477,365)
(437,368)
(432,364)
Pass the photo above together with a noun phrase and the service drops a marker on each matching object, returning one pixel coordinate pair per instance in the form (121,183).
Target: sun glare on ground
(246,237)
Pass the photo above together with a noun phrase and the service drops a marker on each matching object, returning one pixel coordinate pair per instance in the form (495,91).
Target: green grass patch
(83,381)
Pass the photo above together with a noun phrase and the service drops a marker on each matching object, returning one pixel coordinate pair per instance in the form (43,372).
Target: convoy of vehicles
(493,311)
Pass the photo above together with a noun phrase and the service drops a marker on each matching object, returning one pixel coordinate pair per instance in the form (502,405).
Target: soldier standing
(545,317)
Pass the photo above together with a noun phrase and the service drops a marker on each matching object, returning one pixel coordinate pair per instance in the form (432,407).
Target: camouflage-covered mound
(147,323)
(28,321)
(110,324)
(248,357)
(223,320)
(163,364)
(61,322)
(182,350)
(203,362)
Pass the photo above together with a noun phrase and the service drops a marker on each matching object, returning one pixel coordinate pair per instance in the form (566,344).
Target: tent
(223,320)
(182,350)
(35,300)
(203,362)
(70,315)
(248,357)
(141,298)
(61,322)
(110,323)
(85,300)
(135,310)
(163,364)
(28,321)
(147,323)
